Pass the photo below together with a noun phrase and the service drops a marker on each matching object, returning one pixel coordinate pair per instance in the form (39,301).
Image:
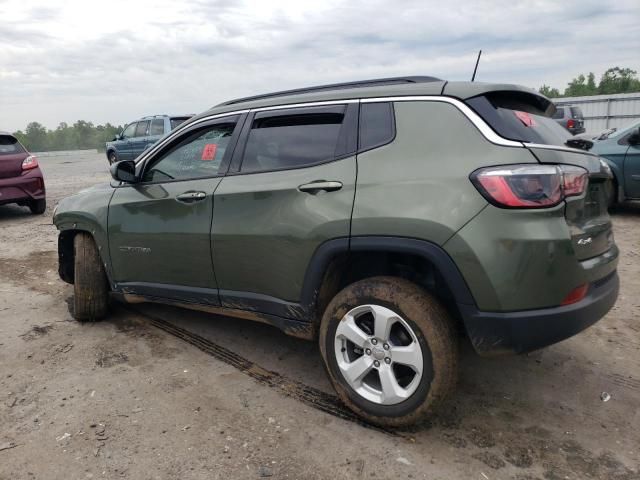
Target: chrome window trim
(482,126)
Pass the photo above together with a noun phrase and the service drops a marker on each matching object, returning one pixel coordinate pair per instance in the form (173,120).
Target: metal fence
(605,111)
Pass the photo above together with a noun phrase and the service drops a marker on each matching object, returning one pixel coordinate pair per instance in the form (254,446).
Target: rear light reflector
(30,162)
(576,295)
(529,186)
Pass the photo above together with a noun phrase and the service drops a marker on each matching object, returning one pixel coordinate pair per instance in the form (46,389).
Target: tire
(612,194)
(38,207)
(90,286)
(112,156)
(420,321)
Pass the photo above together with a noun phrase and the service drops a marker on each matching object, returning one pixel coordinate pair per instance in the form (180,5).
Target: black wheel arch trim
(431,252)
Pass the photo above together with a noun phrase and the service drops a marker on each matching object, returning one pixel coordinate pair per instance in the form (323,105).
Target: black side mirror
(634,138)
(116,138)
(124,171)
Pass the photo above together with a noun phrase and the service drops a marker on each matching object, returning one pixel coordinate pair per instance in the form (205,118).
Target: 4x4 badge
(585,241)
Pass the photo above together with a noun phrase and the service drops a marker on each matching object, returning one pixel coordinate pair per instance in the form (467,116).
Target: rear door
(290,188)
(139,141)
(159,228)
(156,131)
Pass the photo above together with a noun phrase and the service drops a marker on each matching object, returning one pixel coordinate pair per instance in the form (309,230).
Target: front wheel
(90,285)
(390,350)
(113,157)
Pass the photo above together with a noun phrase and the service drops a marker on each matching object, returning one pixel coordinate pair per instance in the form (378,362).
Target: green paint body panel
(88,211)
(155,238)
(265,230)
(418,186)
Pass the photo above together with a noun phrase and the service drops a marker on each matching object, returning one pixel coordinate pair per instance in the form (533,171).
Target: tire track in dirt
(308,395)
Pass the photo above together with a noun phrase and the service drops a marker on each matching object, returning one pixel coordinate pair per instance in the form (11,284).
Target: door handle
(191,197)
(320,185)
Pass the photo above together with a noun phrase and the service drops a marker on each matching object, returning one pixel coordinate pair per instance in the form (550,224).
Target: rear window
(9,145)
(576,113)
(175,121)
(520,116)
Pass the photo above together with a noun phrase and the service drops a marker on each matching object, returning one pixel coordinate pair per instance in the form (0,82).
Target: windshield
(520,116)
(9,145)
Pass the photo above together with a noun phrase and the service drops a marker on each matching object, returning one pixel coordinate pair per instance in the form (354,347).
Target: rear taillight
(529,186)
(30,162)
(571,123)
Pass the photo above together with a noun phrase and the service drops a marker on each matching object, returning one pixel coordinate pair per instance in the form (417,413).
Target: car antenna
(473,77)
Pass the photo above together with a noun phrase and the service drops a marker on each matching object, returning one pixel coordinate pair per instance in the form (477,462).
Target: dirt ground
(161,393)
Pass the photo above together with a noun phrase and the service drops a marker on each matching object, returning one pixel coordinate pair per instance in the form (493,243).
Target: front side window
(292,140)
(141,129)
(129,131)
(199,154)
(157,127)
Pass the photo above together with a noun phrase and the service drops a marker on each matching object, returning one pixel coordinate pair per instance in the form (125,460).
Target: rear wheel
(38,207)
(390,350)
(90,286)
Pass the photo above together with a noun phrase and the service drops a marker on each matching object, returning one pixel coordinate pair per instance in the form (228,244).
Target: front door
(632,172)
(289,189)
(159,228)
(124,144)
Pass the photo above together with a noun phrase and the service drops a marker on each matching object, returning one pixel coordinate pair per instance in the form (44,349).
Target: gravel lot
(134,397)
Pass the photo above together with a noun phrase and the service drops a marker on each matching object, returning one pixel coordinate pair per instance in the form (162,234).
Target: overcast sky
(116,61)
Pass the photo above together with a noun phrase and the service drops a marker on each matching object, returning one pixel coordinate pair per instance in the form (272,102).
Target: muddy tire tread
(91,291)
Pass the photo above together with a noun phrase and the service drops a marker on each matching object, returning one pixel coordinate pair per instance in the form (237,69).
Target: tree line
(614,80)
(79,136)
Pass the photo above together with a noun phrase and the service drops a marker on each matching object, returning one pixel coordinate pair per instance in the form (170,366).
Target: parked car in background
(140,135)
(374,217)
(621,151)
(570,118)
(21,180)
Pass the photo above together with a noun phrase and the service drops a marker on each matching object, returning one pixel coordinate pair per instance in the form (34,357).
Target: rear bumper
(495,333)
(29,186)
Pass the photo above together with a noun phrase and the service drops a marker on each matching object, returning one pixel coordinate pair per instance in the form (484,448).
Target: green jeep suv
(379,218)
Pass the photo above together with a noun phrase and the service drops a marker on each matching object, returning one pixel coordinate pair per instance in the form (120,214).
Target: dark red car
(21,179)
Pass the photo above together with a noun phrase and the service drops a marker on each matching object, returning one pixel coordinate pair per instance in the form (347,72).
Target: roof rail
(337,86)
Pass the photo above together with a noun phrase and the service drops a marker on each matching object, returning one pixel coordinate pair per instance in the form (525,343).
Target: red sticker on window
(525,118)
(209,151)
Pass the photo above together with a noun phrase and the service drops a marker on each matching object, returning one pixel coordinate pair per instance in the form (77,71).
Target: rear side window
(576,113)
(377,126)
(9,145)
(292,140)
(157,127)
(175,121)
(520,116)
(559,113)
(141,129)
